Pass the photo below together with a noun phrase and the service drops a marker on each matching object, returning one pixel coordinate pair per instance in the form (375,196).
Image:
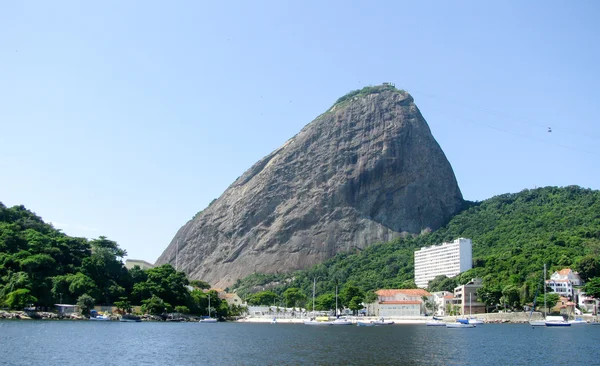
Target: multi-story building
(441,300)
(401,302)
(130,263)
(465,297)
(563,281)
(447,259)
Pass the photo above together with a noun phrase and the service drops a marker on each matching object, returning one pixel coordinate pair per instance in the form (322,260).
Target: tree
(123,305)
(442,283)
(350,292)
(588,267)
(200,284)
(489,295)
(325,302)
(155,306)
(510,296)
(370,298)
(293,296)
(355,304)
(262,298)
(592,288)
(85,303)
(182,309)
(20,299)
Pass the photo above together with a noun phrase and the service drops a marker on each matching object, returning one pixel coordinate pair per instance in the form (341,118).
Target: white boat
(556,321)
(341,321)
(537,323)
(365,324)
(208,319)
(274,321)
(100,318)
(460,325)
(316,322)
(577,321)
(475,321)
(435,323)
(382,321)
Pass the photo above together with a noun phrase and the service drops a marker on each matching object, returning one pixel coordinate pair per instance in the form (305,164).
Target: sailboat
(539,323)
(339,321)
(209,319)
(471,319)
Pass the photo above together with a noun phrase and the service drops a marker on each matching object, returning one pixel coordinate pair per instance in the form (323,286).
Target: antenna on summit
(387,83)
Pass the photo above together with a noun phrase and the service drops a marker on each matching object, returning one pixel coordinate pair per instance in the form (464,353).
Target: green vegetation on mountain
(42,266)
(513,236)
(365,91)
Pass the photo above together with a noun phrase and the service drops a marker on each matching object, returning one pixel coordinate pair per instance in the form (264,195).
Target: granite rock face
(366,171)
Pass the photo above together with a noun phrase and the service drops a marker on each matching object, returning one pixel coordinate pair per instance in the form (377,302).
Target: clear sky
(125,118)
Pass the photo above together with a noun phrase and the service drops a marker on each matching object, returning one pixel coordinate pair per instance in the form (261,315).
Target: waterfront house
(66,309)
(465,298)
(563,282)
(401,302)
(564,307)
(441,300)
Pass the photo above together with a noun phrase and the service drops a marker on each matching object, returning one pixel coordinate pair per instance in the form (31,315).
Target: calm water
(113,343)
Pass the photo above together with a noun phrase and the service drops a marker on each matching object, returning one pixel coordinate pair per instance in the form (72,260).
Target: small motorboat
(537,323)
(460,325)
(316,322)
(435,323)
(130,318)
(341,321)
(475,321)
(365,324)
(100,318)
(208,320)
(382,321)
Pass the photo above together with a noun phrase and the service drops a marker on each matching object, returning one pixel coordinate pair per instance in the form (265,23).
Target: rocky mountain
(365,171)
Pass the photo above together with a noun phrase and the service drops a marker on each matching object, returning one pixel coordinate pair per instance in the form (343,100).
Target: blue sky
(124,119)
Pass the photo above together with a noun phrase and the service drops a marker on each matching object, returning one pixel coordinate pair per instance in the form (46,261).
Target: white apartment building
(447,259)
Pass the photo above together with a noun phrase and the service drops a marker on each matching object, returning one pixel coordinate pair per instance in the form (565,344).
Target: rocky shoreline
(45,315)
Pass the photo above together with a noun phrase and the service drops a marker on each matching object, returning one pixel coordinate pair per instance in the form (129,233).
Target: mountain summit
(365,171)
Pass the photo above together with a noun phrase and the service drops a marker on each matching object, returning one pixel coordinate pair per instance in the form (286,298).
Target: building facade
(441,300)
(447,259)
(401,302)
(465,298)
(130,263)
(563,282)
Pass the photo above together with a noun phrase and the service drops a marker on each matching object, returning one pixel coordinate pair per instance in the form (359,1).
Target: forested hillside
(513,236)
(41,266)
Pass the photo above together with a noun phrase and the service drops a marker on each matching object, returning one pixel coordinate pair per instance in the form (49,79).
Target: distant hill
(366,170)
(513,236)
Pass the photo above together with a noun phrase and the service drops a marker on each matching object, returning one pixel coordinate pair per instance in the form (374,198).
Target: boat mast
(545,291)
(469,304)
(336,306)
(314,288)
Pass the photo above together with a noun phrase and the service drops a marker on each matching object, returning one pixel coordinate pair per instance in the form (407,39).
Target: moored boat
(460,325)
(130,318)
(316,322)
(435,323)
(100,318)
(364,324)
(341,321)
(556,321)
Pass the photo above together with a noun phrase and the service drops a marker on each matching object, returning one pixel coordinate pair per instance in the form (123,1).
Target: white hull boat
(341,322)
(208,320)
(460,325)
(317,323)
(435,323)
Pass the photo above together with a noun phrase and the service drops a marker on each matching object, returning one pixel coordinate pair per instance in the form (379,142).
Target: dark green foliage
(43,266)
(263,298)
(513,236)
(592,288)
(85,303)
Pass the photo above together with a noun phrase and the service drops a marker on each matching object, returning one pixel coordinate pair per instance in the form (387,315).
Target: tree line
(42,266)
